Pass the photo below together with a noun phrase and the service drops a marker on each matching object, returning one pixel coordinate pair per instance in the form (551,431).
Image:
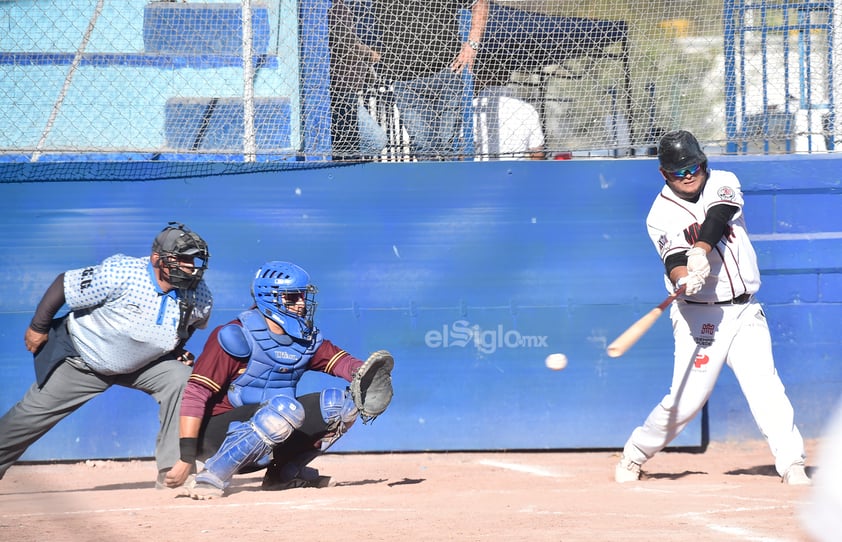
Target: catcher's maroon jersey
(215,369)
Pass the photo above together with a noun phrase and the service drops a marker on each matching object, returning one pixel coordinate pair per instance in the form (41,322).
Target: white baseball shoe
(202,490)
(795,475)
(626,471)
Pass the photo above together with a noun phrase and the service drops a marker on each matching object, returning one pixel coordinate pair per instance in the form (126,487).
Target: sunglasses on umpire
(681,173)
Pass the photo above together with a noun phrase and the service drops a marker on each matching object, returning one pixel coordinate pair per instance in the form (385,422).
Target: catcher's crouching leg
(246,443)
(338,413)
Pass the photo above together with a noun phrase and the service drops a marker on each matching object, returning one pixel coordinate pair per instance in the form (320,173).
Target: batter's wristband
(188,448)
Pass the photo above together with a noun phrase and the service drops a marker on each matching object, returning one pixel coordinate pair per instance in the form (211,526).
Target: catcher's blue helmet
(278,288)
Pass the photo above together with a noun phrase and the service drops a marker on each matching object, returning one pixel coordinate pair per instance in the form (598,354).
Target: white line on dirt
(704,517)
(736,532)
(310,505)
(743,534)
(731,510)
(537,471)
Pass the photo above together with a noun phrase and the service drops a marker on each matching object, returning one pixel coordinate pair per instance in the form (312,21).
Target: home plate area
(728,492)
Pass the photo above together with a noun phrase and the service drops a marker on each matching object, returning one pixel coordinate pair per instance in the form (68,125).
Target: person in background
(354,132)
(505,126)
(424,56)
(129,321)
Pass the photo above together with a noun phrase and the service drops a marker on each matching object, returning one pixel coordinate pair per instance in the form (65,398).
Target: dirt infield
(729,492)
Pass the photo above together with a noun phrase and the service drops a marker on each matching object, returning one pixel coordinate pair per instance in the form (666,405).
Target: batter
(698,228)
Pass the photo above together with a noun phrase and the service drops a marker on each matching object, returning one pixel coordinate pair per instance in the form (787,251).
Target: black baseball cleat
(274,479)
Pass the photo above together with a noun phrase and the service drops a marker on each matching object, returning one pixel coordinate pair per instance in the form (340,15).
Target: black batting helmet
(679,149)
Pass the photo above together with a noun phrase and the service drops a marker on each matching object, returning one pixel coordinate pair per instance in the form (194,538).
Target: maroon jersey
(215,369)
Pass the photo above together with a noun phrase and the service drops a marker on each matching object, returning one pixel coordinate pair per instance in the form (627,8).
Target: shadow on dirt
(361,482)
(759,470)
(406,482)
(765,470)
(669,475)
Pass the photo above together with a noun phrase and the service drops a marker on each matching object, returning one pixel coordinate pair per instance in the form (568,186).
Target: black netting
(316,82)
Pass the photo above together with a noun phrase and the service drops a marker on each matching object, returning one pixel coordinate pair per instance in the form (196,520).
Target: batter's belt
(739,300)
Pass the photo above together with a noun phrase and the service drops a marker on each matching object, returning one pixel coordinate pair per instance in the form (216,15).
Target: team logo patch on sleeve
(663,243)
(726,193)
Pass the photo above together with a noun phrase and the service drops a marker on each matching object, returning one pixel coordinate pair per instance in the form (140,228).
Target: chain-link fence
(398,80)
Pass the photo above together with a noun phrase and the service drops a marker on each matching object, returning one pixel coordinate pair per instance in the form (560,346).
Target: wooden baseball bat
(629,337)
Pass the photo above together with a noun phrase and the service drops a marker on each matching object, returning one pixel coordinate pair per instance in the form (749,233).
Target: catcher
(240,411)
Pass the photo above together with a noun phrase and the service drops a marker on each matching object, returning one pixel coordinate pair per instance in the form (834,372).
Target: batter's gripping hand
(693,283)
(697,262)
(371,385)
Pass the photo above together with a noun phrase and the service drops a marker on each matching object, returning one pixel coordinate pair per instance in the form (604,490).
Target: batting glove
(693,283)
(697,262)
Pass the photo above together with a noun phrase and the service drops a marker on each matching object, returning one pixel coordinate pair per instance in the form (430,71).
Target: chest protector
(276,362)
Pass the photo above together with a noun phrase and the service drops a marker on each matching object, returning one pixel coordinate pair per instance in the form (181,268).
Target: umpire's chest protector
(275,362)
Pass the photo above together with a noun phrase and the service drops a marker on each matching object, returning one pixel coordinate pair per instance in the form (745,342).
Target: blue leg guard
(250,441)
(339,413)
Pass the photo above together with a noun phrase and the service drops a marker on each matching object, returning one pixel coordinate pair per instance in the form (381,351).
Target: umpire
(128,322)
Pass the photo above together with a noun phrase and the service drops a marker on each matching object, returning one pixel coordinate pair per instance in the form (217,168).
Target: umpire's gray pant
(73,384)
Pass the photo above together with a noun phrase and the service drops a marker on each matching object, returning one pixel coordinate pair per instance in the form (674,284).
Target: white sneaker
(626,471)
(795,475)
(202,490)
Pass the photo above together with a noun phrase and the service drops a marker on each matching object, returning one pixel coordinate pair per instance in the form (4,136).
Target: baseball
(556,362)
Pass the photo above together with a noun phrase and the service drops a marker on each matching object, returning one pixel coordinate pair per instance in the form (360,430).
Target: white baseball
(556,362)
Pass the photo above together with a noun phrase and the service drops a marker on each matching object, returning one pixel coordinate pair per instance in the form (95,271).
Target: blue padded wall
(470,273)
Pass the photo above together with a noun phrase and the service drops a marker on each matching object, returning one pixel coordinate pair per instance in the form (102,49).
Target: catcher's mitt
(371,385)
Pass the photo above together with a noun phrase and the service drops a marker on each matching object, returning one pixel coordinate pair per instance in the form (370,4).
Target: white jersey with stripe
(674,225)
(120,319)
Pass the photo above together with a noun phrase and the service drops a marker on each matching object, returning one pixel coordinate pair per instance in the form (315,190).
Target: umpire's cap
(679,149)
